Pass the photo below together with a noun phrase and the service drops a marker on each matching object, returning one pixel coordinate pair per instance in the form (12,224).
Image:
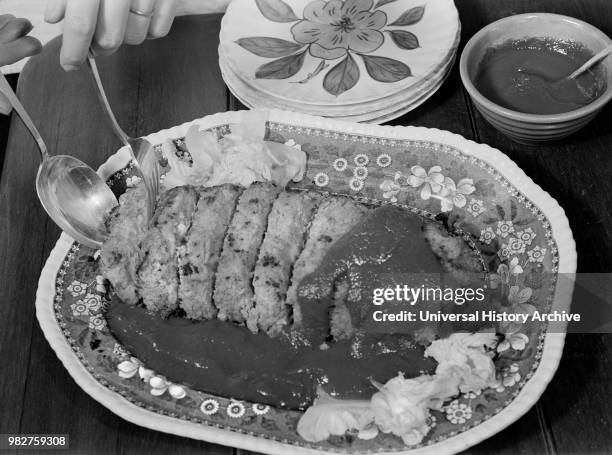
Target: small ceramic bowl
(532,128)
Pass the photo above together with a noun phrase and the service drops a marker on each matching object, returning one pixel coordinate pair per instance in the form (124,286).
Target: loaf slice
(158,274)
(199,256)
(458,260)
(234,290)
(287,226)
(120,254)
(341,326)
(335,217)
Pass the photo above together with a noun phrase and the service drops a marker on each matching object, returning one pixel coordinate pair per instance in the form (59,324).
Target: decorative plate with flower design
(520,231)
(380,112)
(333,52)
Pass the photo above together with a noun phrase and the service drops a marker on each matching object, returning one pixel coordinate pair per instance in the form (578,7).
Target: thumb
(5,106)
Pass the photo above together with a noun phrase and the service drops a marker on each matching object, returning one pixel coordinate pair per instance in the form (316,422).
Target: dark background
(176,79)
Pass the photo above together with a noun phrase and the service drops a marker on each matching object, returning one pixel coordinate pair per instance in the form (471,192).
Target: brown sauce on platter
(228,360)
(386,250)
(530,76)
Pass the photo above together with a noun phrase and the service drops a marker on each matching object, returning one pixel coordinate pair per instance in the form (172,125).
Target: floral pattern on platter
(510,233)
(334,31)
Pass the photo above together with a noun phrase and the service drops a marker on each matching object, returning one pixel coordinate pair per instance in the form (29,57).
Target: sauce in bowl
(530,76)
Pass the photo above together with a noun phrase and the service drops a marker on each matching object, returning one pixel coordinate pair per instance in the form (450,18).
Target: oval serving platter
(509,219)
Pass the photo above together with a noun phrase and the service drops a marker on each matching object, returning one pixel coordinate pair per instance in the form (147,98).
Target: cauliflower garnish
(329,416)
(402,406)
(463,356)
(240,158)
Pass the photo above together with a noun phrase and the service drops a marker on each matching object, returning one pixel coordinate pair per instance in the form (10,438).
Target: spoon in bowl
(592,61)
(71,192)
(575,90)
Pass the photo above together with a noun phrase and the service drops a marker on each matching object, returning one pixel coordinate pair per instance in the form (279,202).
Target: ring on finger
(141,13)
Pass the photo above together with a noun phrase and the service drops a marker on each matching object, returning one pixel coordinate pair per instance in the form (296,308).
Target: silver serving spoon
(592,61)
(71,192)
(141,150)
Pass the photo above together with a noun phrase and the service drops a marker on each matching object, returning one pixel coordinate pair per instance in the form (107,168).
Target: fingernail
(70,67)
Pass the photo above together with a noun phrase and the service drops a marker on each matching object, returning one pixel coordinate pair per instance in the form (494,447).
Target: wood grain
(5,121)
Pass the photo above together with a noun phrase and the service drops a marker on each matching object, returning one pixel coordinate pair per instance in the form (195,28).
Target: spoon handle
(590,62)
(6,89)
(91,61)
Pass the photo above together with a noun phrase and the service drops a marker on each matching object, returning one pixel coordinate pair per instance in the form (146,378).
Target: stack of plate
(359,60)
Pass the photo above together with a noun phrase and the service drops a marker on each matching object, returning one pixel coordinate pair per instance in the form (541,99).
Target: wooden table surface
(177,79)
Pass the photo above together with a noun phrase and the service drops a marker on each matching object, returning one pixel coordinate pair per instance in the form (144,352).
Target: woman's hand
(15,45)
(107,24)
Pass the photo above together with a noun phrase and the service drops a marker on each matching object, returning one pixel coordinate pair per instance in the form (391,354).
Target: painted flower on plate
(526,235)
(332,28)
(516,246)
(473,395)
(454,194)
(79,309)
(128,368)
(145,373)
(92,301)
(487,235)
(537,254)
(519,302)
(515,340)
(159,385)
(132,181)
(176,391)
(340,164)
(356,184)
(431,181)
(504,252)
(362,159)
(476,207)
(458,413)
(511,375)
(209,406)
(383,160)
(76,288)
(97,322)
(504,228)
(321,179)
(505,272)
(235,409)
(360,172)
(120,351)
(260,409)
(518,296)
(391,188)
